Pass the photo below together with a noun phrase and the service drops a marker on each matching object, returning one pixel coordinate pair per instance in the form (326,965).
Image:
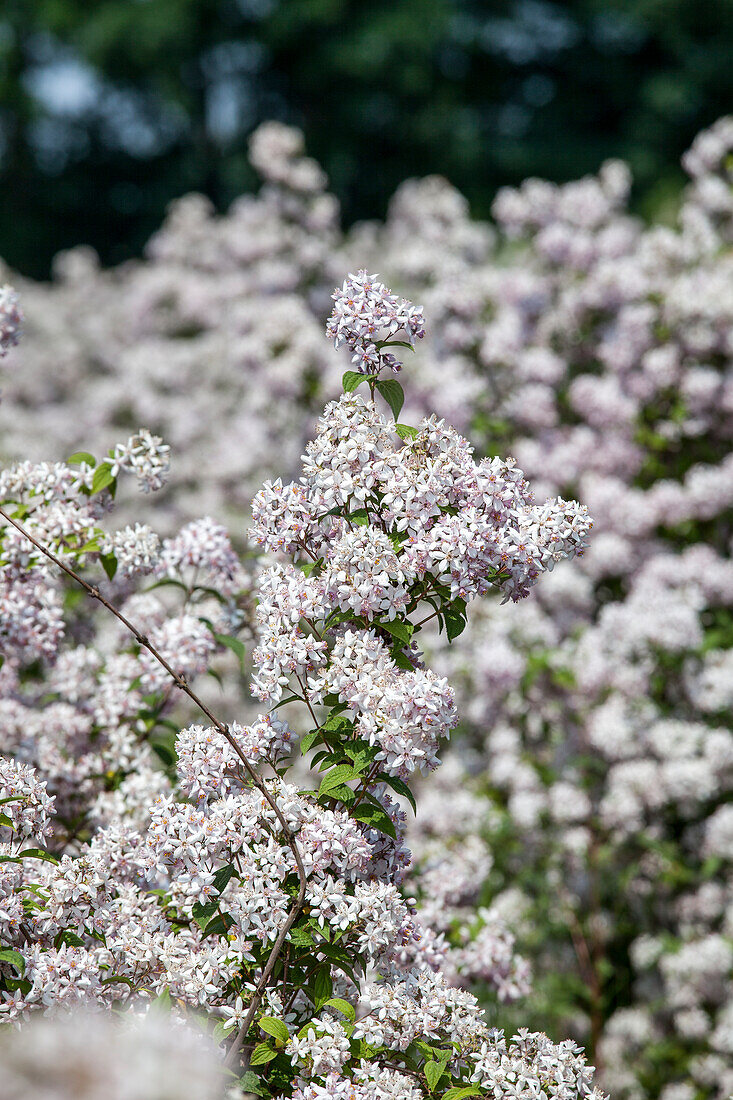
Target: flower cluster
(367,317)
(145,455)
(191,870)
(596,715)
(136,549)
(202,554)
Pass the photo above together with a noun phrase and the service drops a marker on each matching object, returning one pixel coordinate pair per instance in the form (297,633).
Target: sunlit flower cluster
(597,351)
(185,867)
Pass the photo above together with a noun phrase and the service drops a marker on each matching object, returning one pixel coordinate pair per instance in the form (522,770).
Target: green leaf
(275,1027)
(395,344)
(351,380)
(322,986)
(166,582)
(460,1091)
(392,393)
(300,936)
(290,699)
(102,478)
(341,958)
(219,925)
(307,742)
(343,1006)
(92,546)
(202,914)
(338,775)
(118,979)
(343,794)
(433,1072)
(162,1002)
(164,750)
(399,629)
(68,937)
(361,1049)
(37,853)
(7,955)
(400,787)
(109,564)
(261,1054)
(252,1083)
(455,623)
(375,817)
(221,1030)
(405,431)
(435,1068)
(222,876)
(234,644)
(361,755)
(5,820)
(338,721)
(81,456)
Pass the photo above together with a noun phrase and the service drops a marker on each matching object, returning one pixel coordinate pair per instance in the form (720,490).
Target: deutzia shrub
(597,757)
(220,888)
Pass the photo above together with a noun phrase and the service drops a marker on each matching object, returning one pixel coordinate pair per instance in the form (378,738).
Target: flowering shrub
(600,710)
(596,715)
(220,887)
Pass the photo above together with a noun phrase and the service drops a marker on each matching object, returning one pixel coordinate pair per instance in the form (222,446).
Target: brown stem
(427,618)
(223,728)
(361,790)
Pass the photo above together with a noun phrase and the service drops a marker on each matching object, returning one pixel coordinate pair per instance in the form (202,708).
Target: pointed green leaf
(102,478)
(307,741)
(343,1006)
(338,775)
(351,380)
(202,914)
(399,629)
(7,955)
(393,394)
(455,622)
(222,876)
(322,986)
(400,787)
(37,853)
(300,936)
(109,564)
(275,1027)
(235,644)
(252,1083)
(290,699)
(261,1054)
(375,817)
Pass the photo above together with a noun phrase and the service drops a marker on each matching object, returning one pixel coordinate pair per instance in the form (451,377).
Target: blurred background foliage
(111,108)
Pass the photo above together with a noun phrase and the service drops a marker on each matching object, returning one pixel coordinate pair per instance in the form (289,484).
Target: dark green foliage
(482,91)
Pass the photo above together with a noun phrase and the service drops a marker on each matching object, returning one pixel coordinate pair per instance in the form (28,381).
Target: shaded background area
(111,108)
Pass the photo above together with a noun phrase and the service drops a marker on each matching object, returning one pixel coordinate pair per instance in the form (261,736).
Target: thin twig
(223,728)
